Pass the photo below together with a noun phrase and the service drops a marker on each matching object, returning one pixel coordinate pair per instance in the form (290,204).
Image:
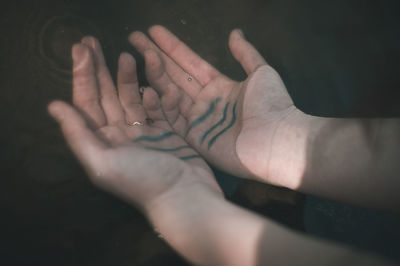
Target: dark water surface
(337,58)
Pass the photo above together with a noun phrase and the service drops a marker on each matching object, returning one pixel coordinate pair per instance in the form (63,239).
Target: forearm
(351,160)
(208,230)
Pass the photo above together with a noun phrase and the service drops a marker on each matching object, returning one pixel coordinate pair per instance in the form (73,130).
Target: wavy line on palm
(203,117)
(219,123)
(261,99)
(213,139)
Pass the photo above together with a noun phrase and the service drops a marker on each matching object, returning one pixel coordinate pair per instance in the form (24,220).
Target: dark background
(337,58)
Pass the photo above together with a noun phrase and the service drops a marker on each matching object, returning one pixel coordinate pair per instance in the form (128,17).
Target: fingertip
(89,41)
(135,37)
(245,52)
(126,60)
(235,36)
(240,32)
(95,47)
(156,28)
(132,36)
(126,55)
(135,34)
(53,106)
(80,51)
(55,109)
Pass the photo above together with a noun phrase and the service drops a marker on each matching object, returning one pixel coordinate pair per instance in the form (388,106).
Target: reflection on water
(53,44)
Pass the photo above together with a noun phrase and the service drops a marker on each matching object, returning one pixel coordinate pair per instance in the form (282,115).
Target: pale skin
(152,166)
(98,131)
(271,140)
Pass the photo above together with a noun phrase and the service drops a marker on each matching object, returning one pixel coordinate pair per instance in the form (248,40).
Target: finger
(172,96)
(109,98)
(128,85)
(155,71)
(244,52)
(181,78)
(175,103)
(183,55)
(85,91)
(83,142)
(152,105)
(128,89)
(160,80)
(154,110)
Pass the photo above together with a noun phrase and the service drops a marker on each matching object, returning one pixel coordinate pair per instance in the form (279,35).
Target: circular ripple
(50,42)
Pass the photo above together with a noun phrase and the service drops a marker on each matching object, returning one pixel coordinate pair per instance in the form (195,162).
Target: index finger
(179,76)
(85,89)
(83,142)
(183,55)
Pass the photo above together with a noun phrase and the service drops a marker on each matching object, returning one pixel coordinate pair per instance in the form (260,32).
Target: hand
(232,124)
(140,162)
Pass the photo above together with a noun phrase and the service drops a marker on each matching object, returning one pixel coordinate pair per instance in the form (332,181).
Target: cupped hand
(122,139)
(231,123)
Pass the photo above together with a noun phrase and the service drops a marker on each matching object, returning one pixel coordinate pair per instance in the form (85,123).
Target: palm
(123,135)
(226,121)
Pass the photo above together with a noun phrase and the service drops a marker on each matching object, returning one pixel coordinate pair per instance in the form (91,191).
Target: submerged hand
(140,161)
(232,124)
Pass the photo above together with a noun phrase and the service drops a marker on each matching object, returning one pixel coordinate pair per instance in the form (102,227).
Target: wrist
(194,182)
(289,148)
(179,217)
(205,228)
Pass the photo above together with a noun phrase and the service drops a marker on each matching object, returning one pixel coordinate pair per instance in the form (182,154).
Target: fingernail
(78,52)
(241,33)
(89,41)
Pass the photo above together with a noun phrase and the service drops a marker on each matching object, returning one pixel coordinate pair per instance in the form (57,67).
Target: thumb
(81,139)
(244,52)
